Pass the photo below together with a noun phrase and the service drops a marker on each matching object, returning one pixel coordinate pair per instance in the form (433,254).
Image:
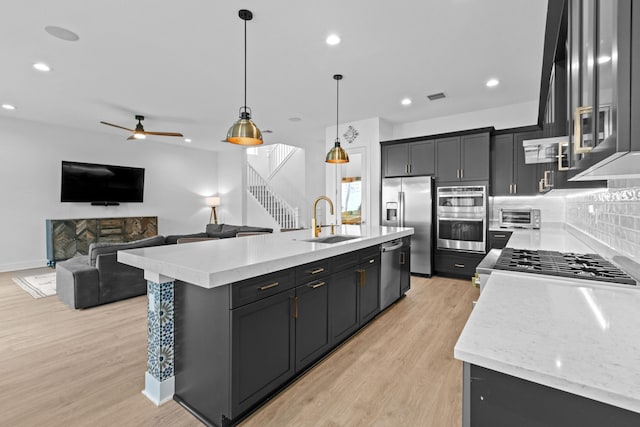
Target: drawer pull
(371,261)
(402,258)
(459,265)
(316,270)
(317,285)
(272,285)
(362,277)
(499,236)
(295,307)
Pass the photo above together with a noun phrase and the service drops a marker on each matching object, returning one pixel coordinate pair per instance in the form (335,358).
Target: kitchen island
(231,321)
(539,350)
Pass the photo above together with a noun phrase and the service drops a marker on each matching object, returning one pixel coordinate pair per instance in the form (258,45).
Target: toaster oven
(520,218)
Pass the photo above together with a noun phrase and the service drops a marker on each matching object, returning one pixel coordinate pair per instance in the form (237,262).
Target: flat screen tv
(101,184)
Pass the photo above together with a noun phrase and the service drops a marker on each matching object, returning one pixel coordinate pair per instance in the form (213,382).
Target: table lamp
(213,202)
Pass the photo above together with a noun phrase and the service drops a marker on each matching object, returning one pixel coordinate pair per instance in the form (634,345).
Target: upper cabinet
(408,159)
(603,55)
(510,175)
(457,156)
(463,158)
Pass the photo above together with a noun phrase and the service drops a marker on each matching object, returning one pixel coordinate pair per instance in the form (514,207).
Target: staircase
(281,211)
(279,154)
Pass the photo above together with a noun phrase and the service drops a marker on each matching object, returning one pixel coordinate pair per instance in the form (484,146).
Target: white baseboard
(156,391)
(23,265)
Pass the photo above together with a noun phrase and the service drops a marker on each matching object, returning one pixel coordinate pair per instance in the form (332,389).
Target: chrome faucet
(317,228)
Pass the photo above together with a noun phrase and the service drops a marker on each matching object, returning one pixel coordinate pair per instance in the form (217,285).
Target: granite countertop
(220,262)
(570,335)
(550,237)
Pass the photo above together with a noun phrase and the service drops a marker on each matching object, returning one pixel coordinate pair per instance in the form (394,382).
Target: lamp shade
(244,132)
(337,155)
(212,201)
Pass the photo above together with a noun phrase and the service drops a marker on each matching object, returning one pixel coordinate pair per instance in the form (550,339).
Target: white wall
(232,186)
(176,181)
(509,116)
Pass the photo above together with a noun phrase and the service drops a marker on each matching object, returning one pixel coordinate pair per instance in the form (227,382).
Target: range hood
(542,150)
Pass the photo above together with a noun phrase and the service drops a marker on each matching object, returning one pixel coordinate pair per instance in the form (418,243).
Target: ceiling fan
(139,132)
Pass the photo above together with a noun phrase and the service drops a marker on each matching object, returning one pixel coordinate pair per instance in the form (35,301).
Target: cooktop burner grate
(579,266)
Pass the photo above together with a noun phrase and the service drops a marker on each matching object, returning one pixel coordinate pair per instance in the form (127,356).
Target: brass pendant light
(244,131)
(337,153)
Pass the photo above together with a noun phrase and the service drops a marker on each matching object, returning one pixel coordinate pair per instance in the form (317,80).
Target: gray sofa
(98,278)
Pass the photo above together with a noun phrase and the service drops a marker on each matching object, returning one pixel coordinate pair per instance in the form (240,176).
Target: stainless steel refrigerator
(407,202)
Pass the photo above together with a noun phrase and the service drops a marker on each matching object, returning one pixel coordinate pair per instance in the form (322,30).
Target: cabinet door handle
(457,173)
(317,285)
(499,236)
(402,258)
(372,260)
(316,270)
(547,184)
(461,173)
(295,307)
(515,188)
(459,265)
(410,168)
(363,277)
(577,130)
(272,285)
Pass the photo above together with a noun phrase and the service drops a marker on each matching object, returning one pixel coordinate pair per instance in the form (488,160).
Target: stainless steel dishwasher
(390,272)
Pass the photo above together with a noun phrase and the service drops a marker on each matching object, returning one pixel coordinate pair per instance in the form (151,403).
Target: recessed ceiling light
(493,82)
(333,39)
(406,101)
(61,33)
(41,66)
(295,119)
(267,131)
(187,140)
(603,59)
(8,107)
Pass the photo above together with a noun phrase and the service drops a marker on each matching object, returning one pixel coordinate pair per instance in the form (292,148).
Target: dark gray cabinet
(510,175)
(343,293)
(369,288)
(311,311)
(492,398)
(463,158)
(262,350)
(408,159)
(498,239)
(456,264)
(448,159)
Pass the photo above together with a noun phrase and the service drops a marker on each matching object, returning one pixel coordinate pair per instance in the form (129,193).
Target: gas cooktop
(577,266)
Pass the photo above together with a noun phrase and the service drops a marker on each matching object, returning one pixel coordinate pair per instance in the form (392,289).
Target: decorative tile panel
(160,333)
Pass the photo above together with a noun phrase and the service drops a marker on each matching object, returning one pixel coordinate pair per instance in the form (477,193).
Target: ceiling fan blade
(163,133)
(116,126)
(131,137)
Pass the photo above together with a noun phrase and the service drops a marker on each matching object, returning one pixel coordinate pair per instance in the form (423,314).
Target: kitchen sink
(331,239)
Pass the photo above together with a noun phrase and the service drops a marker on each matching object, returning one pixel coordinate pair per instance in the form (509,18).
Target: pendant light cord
(337,105)
(245,65)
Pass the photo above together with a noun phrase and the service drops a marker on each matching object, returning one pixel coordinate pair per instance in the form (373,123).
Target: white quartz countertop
(220,262)
(570,335)
(550,237)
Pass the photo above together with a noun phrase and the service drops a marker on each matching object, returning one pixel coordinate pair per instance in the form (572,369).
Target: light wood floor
(63,367)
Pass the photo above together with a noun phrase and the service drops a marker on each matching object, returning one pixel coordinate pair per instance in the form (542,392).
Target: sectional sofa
(98,278)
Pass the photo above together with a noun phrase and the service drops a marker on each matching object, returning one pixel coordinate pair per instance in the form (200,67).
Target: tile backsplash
(610,215)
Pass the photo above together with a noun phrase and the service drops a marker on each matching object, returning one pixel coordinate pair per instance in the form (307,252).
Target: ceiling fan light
(244,132)
(337,154)
(139,135)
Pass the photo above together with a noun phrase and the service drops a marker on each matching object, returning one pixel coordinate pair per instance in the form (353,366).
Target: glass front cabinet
(599,75)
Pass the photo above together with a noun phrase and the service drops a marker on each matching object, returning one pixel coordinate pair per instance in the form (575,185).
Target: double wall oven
(462,218)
